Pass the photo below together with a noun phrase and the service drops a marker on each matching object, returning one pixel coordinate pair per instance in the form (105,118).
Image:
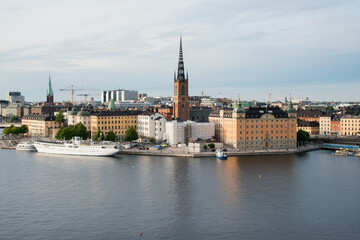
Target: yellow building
(310,127)
(256,128)
(41,125)
(350,125)
(117,121)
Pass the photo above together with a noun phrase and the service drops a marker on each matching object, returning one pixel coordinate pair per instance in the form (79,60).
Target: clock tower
(181,108)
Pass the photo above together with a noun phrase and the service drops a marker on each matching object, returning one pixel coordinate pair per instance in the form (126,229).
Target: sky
(232,48)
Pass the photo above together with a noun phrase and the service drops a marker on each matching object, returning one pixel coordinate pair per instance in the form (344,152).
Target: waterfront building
(309,115)
(182,131)
(83,116)
(41,125)
(310,127)
(50,94)
(335,124)
(350,125)
(120,95)
(117,121)
(160,129)
(15,97)
(325,124)
(181,90)
(256,128)
(146,124)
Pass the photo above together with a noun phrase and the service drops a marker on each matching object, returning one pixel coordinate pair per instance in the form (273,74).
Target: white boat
(25,146)
(220,154)
(75,147)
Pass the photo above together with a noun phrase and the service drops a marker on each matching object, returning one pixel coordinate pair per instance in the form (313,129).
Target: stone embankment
(169,152)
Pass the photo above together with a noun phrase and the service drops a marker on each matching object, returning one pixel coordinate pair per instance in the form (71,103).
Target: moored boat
(76,147)
(220,154)
(25,146)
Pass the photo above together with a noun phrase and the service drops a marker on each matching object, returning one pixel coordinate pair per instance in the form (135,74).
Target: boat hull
(221,158)
(79,150)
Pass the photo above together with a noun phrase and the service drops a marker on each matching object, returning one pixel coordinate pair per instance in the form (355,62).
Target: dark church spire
(181,73)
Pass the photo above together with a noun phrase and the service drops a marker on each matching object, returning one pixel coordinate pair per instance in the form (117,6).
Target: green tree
(131,134)
(23,129)
(15,130)
(81,131)
(211,145)
(60,134)
(302,136)
(99,136)
(152,140)
(205,147)
(110,136)
(60,117)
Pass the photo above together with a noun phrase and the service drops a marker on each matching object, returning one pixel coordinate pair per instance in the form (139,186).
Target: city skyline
(303,48)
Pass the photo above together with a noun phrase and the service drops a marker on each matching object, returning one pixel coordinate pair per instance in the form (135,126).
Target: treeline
(71,131)
(16,130)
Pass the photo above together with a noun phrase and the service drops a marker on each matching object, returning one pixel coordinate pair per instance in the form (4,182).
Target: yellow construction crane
(85,95)
(72,90)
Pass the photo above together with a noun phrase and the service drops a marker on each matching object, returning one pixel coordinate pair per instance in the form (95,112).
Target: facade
(14,97)
(325,124)
(335,124)
(160,129)
(117,121)
(256,128)
(146,124)
(83,116)
(181,90)
(350,125)
(41,125)
(310,127)
(119,95)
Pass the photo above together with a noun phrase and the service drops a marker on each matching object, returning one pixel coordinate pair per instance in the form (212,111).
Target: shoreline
(230,153)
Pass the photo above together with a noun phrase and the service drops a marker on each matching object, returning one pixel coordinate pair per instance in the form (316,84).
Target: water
(305,196)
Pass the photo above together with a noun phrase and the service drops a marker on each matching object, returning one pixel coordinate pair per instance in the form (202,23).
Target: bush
(212,145)
(205,147)
(152,140)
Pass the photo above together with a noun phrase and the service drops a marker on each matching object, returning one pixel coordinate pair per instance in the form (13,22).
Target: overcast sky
(304,48)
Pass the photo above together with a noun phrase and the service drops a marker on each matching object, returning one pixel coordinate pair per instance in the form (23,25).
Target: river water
(305,196)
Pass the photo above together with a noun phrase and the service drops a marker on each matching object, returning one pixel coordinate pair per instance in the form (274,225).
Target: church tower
(181,108)
(50,94)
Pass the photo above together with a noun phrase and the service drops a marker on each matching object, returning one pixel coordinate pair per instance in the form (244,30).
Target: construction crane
(85,96)
(72,90)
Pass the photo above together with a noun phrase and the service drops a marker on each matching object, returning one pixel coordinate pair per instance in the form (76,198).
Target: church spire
(50,91)
(181,73)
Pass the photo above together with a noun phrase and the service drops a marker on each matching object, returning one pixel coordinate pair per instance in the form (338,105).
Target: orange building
(335,124)
(256,128)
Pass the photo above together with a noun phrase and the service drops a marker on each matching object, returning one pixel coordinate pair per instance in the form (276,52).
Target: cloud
(231,45)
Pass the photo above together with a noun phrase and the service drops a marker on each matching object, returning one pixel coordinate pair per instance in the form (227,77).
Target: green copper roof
(111,105)
(83,112)
(290,108)
(50,91)
(74,111)
(238,107)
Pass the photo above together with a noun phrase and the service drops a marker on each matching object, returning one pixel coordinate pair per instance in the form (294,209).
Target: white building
(350,125)
(74,117)
(151,125)
(181,132)
(14,97)
(325,125)
(119,95)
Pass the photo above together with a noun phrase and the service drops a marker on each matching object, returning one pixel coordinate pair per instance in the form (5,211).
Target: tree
(81,131)
(211,145)
(15,130)
(110,136)
(302,136)
(60,117)
(152,140)
(99,136)
(60,134)
(131,134)
(205,147)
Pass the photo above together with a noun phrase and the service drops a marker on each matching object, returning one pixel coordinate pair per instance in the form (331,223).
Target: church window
(182,90)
